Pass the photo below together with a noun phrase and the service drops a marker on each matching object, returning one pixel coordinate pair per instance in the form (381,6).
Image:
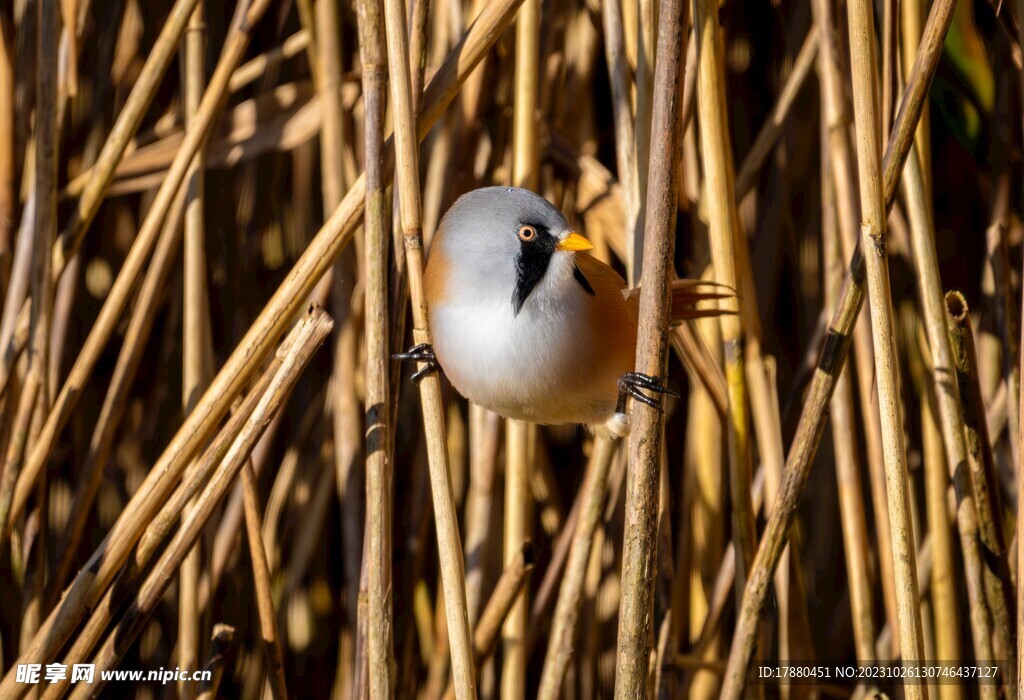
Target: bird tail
(686,294)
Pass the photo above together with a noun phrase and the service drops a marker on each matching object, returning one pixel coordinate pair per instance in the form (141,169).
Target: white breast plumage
(516,364)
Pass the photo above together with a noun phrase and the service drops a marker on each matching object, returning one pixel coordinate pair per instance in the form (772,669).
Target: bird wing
(609,292)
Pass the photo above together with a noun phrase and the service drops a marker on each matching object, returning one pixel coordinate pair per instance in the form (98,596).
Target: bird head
(507,240)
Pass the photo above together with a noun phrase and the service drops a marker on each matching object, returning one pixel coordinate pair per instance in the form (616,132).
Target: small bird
(528,324)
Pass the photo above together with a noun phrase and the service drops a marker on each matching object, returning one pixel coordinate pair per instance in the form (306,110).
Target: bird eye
(527,232)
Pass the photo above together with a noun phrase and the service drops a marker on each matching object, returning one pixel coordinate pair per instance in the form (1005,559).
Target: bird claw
(424,353)
(633,383)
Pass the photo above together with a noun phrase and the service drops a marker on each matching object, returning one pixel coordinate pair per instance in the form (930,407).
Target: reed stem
(377,235)
(520,437)
(848,476)
(647,424)
(981,468)
(261,579)
(873,242)
(196,341)
(716,152)
(562,639)
(837,118)
(1020,439)
(445,515)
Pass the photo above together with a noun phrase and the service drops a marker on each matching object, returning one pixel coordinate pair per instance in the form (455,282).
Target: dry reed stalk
(643,83)
(1019,686)
(924,568)
(848,476)
(831,359)
(253,348)
(663,682)
(418,17)
(321,18)
(18,439)
(518,515)
(221,639)
(484,427)
(117,299)
(691,349)
(503,597)
(618,74)
(327,50)
(196,342)
(680,603)
(68,62)
(723,581)
(889,65)
(705,494)
(768,428)
(716,153)
(911,24)
(1020,442)
(506,592)
(836,114)
(519,436)
(948,404)
(647,423)
(562,638)
(44,173)
(445,515)
(544,492)
(873,242)
(261,579)
(297,350)
(438,157)
(14,326)
(438,662)
(377,234)
(44,188)
(307,18)
(918,83)
(8,197)
(943,574)
(226,537)
(546,591)
(981,466)
(992,345)
(998,253)
(65,295)
(972,413)
(471,99)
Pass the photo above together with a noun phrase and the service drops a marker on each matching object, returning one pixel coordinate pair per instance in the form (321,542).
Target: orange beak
(574,242)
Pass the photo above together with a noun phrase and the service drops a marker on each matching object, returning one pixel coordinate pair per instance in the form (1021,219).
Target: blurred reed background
(209,252)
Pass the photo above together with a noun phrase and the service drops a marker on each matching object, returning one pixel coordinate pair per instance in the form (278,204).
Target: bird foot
(634,383)
(424,352)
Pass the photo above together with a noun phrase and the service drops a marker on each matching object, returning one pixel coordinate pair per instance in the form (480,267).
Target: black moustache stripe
(531,264)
